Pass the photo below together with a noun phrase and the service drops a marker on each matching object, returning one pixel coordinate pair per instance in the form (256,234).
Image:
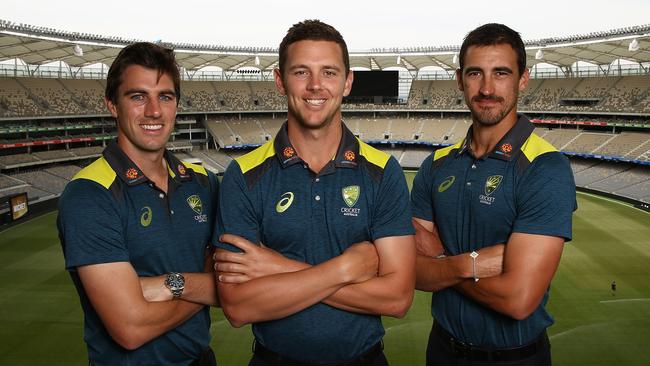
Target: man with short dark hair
(492,213)
(134,226)
(313,295)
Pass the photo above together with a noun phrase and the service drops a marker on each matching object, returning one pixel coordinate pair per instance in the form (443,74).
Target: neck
(486,137)
(316,146)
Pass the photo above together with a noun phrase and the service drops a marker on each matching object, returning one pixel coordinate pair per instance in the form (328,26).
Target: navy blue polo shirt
(111,212)
(271,196)
(524,185)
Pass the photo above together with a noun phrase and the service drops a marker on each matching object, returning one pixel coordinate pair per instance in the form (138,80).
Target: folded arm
(434,272)
(282,294)
(529,265)
(115,293)
(390,292)
(200,287)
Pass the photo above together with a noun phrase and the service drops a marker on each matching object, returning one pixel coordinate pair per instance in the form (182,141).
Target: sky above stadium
(364,24)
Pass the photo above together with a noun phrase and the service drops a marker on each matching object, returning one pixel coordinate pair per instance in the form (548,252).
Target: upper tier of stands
(35,97)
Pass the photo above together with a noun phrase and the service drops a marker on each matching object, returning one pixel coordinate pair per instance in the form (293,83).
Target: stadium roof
(39,45)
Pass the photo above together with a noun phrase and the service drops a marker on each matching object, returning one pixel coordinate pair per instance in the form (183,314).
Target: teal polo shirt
(524,185)
(111,212)
(271,196)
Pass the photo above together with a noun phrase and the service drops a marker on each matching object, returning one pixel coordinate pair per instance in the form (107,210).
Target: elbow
(399,307)
(235,316)
(127,338)
(522,307)
(520,313)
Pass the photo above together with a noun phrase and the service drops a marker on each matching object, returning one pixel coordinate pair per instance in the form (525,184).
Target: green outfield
(41,320)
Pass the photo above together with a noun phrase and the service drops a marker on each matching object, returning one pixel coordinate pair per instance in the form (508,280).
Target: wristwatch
(175,282)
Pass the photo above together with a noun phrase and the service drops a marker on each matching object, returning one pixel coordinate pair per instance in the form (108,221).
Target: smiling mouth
(152,127)
(315,102)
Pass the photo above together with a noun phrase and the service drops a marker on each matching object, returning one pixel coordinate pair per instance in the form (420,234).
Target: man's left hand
(255,261)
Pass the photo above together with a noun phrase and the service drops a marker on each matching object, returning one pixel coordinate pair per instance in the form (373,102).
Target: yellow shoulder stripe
(373,155)
(256,157)
(446,150)
(99,171)
(196,167)
(536,146)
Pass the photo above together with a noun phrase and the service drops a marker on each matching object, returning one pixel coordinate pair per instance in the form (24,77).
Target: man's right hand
(360,262)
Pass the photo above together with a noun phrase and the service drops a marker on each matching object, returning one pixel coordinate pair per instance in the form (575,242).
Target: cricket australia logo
(284,203)
(491,185)
(146,216)
(350,196)
(194,201)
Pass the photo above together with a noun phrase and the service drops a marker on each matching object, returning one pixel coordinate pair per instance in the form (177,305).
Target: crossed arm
(260,284)
(133,309)
(513,277)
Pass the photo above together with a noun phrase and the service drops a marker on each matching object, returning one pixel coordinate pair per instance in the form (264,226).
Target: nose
(152,108)
(314,82)
(487,85)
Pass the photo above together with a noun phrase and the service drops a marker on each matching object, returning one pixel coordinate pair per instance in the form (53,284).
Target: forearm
(116,294)
(389,295)
(200,288)
(434,274)
(279,295)
(501,293)
(529,265)
(150,320)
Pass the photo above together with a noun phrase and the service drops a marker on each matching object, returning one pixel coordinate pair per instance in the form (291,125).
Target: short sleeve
(236,210)
(90,225)
(393,213)
(421,202)
(546,198)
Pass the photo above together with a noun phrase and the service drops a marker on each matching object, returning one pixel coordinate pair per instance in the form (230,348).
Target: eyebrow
(499,68)
(302,66)
(142,91)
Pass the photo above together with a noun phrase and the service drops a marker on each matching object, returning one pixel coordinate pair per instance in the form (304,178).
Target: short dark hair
(145,54)
(492,34)
(312,30)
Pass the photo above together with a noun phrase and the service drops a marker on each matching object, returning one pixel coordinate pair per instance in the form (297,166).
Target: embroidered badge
(132,173)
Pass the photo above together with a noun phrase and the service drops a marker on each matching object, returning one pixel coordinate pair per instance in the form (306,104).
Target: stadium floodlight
(539,55)
(78,51)
(454,60)
(634,45)
(399,59)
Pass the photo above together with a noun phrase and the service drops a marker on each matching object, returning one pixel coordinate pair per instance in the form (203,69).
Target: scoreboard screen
(375,84)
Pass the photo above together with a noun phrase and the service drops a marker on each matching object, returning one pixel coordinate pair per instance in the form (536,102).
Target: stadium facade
(589,96)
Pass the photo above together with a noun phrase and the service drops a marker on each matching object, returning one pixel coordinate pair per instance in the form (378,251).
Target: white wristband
(474,254)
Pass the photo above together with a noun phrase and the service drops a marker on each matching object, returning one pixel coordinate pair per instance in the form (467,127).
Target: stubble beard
(491,116)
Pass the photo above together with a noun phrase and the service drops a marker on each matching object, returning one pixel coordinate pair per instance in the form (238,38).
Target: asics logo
(285,202)
(146,216)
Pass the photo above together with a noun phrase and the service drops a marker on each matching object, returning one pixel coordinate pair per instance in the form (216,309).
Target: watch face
(175,281)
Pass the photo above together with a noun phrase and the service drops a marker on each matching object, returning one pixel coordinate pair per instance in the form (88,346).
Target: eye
(300,73)
(166,98)
(329,73)
(473,74)
(138,98)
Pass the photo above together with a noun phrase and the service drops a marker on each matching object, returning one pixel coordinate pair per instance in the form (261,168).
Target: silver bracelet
(474,255)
